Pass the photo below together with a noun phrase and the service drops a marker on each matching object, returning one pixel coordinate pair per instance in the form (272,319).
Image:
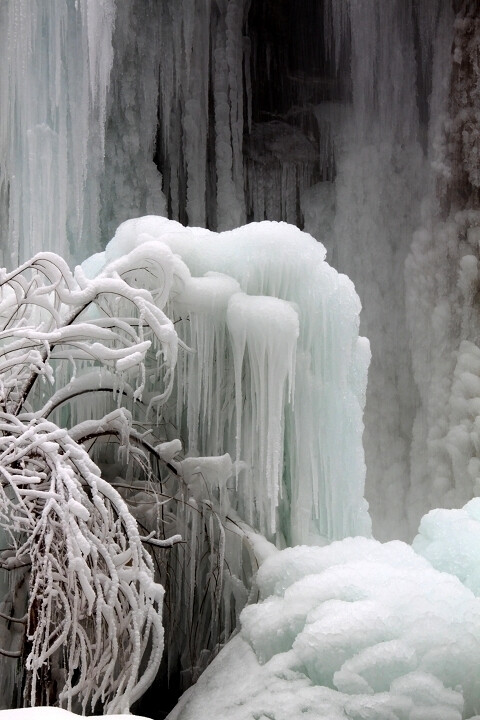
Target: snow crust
(357,630)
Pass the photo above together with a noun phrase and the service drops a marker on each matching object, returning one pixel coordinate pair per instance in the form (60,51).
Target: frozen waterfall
(211,113)
(178,127)
(277,361)
(54,79)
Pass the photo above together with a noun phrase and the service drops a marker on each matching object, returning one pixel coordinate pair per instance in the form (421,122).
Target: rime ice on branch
(94,611)
(93,606)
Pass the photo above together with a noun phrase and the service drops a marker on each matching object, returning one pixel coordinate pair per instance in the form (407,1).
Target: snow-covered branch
(94,610)
(48,314)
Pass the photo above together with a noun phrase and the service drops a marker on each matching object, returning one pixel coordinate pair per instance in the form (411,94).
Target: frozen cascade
(213,116)
(201,156)
(380,172)
(373,145)
(131,183)
(321,496)
(54,75)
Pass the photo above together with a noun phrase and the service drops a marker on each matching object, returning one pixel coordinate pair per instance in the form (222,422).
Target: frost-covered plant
(48,314)
(97,356)
(94,610)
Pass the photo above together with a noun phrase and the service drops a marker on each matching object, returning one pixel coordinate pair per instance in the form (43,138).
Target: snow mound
(358,630)
(52,713)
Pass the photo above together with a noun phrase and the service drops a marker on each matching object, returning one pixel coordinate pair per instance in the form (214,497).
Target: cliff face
(459,187)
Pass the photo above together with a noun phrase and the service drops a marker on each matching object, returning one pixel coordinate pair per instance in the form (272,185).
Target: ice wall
(381,175)
(386,141)
(54,74)
(442,280)
(403,213)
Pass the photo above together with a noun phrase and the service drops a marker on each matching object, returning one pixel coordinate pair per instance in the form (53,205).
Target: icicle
(324,461)
(206,384)
(268,328)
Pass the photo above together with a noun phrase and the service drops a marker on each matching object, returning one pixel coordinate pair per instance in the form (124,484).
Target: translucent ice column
(54,75)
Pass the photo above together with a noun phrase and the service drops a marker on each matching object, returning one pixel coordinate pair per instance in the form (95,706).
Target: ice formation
(449,539)
(382,177)
(213,115)
(262,332)
(207,113)
(269,319)
(358,121)
(445,466)
(259,334)
(54,74)
(355,630)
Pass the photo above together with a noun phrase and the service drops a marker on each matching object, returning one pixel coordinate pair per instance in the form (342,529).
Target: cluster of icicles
(277,375)
(245,346)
